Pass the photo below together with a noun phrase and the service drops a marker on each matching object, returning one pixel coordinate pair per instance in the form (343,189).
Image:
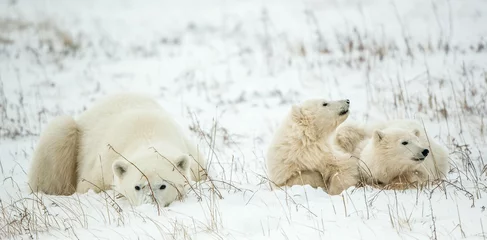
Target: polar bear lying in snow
(126,142)
(396,153)
(300,153)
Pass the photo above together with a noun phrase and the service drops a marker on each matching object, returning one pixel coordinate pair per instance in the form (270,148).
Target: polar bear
(396,153)
(125,142)
(300,154)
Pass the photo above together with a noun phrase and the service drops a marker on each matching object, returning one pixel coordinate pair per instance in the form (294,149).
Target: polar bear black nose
(347,101)
(425,152)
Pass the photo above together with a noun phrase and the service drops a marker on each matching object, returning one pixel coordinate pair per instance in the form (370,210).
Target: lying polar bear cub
(395,153)
(300,154)
(126,142)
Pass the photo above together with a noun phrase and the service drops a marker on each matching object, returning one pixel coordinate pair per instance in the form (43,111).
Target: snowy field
(229,71)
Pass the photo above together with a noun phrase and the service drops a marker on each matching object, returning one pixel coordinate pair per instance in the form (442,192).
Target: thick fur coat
(125,142)
(300,154)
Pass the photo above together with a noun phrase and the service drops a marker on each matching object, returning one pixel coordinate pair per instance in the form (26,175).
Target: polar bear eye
(325,104)
(404,143)
(137,188)
(162,187)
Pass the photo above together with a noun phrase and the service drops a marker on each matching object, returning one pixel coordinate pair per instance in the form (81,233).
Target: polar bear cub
(125,142)
(395,153)
(300,154)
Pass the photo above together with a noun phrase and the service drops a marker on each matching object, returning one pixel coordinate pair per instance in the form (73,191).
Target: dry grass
(456,101)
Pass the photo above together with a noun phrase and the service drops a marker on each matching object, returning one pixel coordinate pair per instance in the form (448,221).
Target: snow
(229,71)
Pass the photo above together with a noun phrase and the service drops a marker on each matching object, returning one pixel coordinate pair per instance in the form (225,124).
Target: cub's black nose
(425,152)
(348,101)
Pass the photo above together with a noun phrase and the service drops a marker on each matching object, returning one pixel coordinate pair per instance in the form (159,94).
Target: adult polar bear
(126,142)
(300,153)
(396,153)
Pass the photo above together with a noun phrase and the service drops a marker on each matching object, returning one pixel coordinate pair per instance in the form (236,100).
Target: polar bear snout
(345,107)
(422,156)
(425,152)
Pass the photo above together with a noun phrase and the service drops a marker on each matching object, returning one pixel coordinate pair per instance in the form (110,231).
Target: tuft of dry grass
(455,97)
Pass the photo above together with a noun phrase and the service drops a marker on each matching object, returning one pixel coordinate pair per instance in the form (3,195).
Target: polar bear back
(111,107)
(125,122)
(93,122)
(139,128)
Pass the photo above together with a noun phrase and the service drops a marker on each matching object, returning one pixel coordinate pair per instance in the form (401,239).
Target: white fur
(53,169)
(383,157)
(140,135)
(300,153)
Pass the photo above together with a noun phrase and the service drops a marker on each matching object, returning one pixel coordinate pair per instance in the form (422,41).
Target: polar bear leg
(344,174)
(84,185)
(53,169)
(340,182)
(312,178)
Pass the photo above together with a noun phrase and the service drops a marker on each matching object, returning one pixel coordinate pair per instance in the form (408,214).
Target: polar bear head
(320,117)
(399,146)
(150,177)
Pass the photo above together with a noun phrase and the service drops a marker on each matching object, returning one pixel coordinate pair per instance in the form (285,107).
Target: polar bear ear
(378,135)
(416,132)
(119,168)
(182,162)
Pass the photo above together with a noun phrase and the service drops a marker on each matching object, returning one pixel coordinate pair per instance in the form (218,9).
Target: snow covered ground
(229,71)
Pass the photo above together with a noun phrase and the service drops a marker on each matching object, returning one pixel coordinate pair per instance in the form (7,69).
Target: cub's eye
(137,188)
(325,104)
(404,143)
(162,187)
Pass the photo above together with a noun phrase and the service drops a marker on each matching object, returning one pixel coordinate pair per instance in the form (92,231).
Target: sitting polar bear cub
(395,153)
(126,142)
(300,153)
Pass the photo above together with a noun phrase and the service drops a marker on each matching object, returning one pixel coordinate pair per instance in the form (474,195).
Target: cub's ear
(296,113)
(416,132)
(378,135)
(119,168)
(182,162)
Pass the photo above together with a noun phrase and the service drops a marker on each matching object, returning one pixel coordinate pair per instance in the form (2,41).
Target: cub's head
(399,146)
(167,177)
(319,115)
